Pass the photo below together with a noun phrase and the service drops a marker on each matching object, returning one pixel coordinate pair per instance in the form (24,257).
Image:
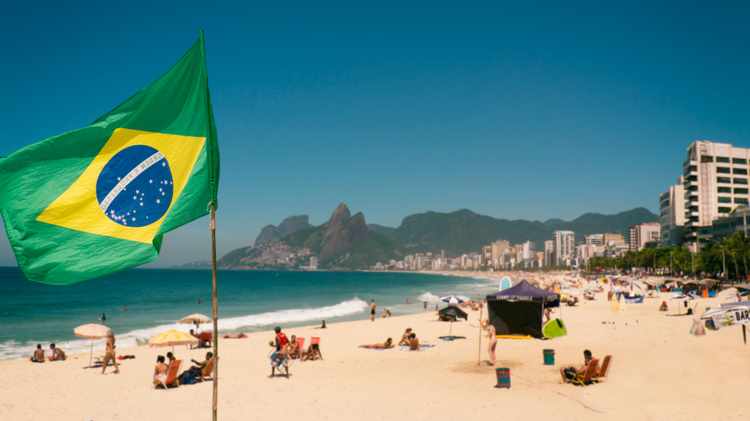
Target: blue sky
(533,112)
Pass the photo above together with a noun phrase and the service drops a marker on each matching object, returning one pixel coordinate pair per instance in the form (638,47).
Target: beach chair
(171,380)
(587,377)
(313,353)
(602,374)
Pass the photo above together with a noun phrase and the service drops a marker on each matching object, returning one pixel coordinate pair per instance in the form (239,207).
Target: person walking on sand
(373,310)
(492,337)
(109,354)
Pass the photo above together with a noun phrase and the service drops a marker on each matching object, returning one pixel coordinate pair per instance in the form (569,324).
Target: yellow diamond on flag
(129,187)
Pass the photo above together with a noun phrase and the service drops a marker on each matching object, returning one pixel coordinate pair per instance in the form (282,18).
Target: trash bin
(503,378)
(549,356)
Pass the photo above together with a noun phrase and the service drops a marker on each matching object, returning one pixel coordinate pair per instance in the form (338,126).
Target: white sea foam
(429,297)
(14,349)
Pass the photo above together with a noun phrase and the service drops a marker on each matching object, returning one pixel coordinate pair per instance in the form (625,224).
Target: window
(692,188)
(693,198)
(724,210)
(740,181)
(740,201)
(707,158)
(723,199)
(722,170)
(693,208)
(723,180)
(725,189)
(692,178)
(740,191)
(722,159)
(739,161)
(740,171)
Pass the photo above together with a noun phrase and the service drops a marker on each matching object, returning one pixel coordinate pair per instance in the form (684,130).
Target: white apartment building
(672,213)
(715,182)
(565,243)
(549,253)
(641,234)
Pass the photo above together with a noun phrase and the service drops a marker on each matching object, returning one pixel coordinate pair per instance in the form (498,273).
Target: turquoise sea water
(140,303)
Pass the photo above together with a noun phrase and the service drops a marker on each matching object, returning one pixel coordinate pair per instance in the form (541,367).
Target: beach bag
(570,373)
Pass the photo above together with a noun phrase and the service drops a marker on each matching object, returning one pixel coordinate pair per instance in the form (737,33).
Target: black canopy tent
(519,310)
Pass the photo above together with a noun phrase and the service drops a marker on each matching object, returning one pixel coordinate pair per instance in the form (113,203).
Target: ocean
(142,302)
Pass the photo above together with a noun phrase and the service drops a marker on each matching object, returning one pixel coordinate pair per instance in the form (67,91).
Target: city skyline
(398,113)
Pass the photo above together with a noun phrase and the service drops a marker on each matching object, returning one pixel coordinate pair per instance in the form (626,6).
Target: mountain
(463,231)
(287,227)
(346,241)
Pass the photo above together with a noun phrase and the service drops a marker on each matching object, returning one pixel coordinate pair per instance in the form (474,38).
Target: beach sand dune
(659,372)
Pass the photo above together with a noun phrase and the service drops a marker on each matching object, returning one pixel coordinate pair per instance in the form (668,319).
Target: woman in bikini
(109,354)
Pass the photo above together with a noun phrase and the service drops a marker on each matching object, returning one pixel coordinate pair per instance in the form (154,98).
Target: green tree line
(732,252)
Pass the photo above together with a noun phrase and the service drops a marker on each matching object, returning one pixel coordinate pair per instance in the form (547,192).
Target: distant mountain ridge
(346,241)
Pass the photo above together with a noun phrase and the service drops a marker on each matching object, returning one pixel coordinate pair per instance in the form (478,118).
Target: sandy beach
(659,372)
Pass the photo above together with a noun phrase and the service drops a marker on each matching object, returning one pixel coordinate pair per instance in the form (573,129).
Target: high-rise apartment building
(549,253)
(642,234)
(565,243)
(715,182)
(672,213)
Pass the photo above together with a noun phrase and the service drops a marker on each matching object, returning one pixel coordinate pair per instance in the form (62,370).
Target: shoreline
(670,374)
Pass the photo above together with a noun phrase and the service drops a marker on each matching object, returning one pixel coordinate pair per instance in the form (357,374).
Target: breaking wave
(13,349)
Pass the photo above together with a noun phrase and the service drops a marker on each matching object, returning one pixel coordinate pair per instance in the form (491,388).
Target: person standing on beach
(109,354)
(492,336)
(373,310)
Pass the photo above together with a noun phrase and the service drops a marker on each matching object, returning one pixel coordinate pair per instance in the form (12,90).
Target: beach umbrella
(194,319)
(92,331)
(454,299)
(173,338)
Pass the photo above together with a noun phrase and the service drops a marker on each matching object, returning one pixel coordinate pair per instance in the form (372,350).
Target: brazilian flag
(99,199)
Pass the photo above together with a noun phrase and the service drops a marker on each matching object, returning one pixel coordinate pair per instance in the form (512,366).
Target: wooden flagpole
(214,314)
(479,346)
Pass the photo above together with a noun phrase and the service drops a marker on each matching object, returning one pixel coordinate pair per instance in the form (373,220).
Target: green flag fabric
(99,199)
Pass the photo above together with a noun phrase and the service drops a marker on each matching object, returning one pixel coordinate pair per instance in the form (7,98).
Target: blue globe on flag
(135,187)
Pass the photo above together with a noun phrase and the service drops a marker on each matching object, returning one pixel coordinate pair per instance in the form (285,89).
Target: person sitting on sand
(386,313)
(570,373)
(405,337)
(413,342)
(109,354)
(55,353)
(388,344)
(38,356)
(160,371)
